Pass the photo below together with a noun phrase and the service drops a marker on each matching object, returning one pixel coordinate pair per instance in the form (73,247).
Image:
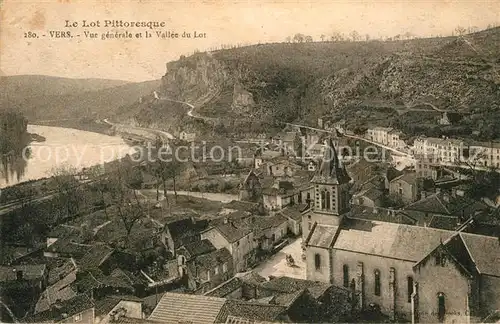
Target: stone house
(268,230)
(251,188)
(180,232)
(407,186)
(203,266)
(188,137)
(237,238)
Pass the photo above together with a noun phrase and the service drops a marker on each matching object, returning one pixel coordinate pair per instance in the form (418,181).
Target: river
(65,147)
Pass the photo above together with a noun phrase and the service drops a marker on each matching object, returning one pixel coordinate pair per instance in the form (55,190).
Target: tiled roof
(67,308)
(253,311)
(408,177)
(29,272)
(199,247)
(96,256)
(225,288)
(211,260)
(292,212)
(261,223)
(322,236)
(105,305)
(371,193)
(240,320)
(66,246)
(290,285)
(485,251)
(380,214)
(288,299)
(182,308)
(63,268)
(184,229)
(232,231)
(390,240)
(61,290)
(63,231)
(445,204)
(129,320)
(392,173)
(251,277)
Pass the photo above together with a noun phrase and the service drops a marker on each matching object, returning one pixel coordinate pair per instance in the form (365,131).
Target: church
(413,273)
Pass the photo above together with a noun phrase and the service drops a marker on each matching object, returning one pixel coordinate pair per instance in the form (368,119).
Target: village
(276,236)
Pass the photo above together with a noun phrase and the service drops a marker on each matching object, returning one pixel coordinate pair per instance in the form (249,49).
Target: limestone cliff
(242,99)
(195,79)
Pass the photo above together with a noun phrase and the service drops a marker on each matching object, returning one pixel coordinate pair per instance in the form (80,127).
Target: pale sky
(224,22)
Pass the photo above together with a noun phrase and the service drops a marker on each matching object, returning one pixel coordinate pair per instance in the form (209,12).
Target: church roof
(322,236)
(398,241)
(331,170)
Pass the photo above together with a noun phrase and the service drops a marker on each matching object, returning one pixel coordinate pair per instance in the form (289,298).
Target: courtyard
(277,265)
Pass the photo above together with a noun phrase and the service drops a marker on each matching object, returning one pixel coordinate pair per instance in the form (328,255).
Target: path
(141,129)
(277,266)
(222,197)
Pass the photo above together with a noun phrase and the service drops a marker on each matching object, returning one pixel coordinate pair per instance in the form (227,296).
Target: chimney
(226,220)
(423,195)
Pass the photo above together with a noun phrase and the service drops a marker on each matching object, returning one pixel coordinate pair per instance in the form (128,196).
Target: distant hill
(36,85)
(372,82)
(45,98)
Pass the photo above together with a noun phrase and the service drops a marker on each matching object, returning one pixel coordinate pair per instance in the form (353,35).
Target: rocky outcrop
(194,77)
(242,99)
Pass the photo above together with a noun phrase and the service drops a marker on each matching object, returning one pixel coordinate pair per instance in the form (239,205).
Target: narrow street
(277,266)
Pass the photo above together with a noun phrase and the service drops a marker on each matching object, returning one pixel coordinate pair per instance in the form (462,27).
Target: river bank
(83,124)
(65,147)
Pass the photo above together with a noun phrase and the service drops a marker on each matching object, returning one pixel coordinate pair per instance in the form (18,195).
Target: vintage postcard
(258,161)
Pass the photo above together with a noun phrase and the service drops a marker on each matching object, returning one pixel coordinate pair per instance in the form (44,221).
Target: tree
(354,36)
(288,39)
(336,37)
(472,29)
(408,35)
(68,188)
(322,37)
(459,30)
(308,39)
(129,209)
(367,37)
(298,38)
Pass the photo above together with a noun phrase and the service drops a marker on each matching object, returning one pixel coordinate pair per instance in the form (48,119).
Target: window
(317,261)
(323,199)
(77,318)
(441,307)
(377,282)
(410,288)
(216,270)
(208,275)
(328,200)
(345,270)
(224,267)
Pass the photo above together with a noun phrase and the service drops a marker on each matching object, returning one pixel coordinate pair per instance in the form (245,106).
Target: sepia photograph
(249,162)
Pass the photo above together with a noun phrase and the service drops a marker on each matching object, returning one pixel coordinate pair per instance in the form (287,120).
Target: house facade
(486,154)
(238,240)
(203,266)
(407,186)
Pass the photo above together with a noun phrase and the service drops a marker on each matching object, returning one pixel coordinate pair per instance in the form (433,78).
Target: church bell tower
(331,189)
